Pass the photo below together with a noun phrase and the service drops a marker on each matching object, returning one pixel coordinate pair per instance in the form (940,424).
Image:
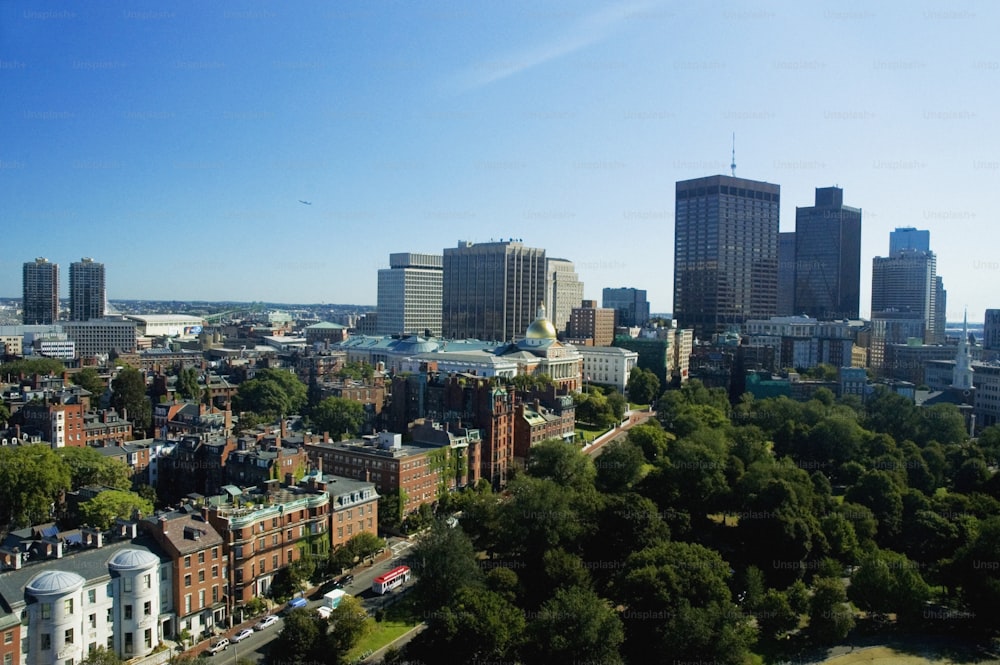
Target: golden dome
(541,327)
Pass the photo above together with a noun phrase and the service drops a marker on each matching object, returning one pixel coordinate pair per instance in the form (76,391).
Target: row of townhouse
(64,594)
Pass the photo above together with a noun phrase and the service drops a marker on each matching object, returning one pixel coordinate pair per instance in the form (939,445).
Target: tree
(356,371)
(89,467)
(830,616)
(272,393)
(302,636)
(187,384)
(90,380)
(562,462)
(775,615)
(102,510)
(877,490)
(101,656)
(443,562)
(620,466)
(32,479)
(128,397)
(685,586)
(651,438)
(293,578)
(338,415)
(11,372)
(643,386)
(348,625)
(976,571)
(889,582)
(575,626)
(478,626)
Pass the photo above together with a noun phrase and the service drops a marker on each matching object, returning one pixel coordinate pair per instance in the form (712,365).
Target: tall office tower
(725,253)
(786,274)
(907,237)
(41,292)
(492,290)
(86,290)
(828,257)
(991,330)
(409,295)
(563,290)
(940,309)
(630,305)
(907,282)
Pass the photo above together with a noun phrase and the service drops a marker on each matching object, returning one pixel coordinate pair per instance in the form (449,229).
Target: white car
(242,635)
(269,620)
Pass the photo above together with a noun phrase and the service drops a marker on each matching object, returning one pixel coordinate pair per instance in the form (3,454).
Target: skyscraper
(828,257)
(86,290)
(491,290)
(991,330)
(41,292)
(786,273)
(630,305)
(725,252)
(907,281)
(907,237)
(564,291)
(409,295)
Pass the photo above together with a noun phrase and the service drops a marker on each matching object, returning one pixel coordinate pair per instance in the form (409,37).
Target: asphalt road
(256,646)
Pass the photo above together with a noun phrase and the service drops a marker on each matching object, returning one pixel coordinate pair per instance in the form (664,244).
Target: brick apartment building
(200,570)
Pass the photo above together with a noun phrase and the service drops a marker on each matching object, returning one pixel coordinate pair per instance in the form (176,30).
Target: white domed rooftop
(133,560)
(54,583)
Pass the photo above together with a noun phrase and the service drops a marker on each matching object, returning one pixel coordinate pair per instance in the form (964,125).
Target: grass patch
(399,619)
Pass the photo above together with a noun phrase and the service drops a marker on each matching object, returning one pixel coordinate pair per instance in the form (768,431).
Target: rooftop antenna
(733,165)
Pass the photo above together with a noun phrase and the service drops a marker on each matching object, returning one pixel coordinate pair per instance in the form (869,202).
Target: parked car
(218,646)
(242,635)
(267,621)
(346,579)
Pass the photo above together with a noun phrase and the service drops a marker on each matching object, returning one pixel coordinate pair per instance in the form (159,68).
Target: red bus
(394,578)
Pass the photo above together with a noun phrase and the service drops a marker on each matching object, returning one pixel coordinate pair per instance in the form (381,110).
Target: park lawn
(399,619)
(586,432)
(881,656)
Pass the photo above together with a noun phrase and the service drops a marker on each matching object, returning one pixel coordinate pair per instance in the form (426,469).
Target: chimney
(228,419)
(326,437)
(284,429)
(58,549)
(319,465)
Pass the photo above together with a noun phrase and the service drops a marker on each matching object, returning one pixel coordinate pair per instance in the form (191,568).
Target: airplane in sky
(308,203)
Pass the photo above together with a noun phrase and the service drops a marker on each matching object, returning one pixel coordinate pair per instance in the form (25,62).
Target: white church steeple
(961,379)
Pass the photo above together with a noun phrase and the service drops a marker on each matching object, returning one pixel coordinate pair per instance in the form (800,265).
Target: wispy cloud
(585,31)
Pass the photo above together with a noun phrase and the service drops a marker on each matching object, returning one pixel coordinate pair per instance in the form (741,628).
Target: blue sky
(174,141)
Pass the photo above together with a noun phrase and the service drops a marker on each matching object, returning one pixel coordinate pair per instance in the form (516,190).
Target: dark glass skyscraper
(491,291)
(786,273)
(86,290)
(41,292)
(828,257)
(630,305)
(725,252)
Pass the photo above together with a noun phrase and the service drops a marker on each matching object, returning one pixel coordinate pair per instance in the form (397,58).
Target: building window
(215,571)
(68,636)
(8,637)
(92,596)
(201,598)
(8,659)
(46,641)
(128,643)
(187,605)
(128,612)
(46,611)
(148,637)
(201,557)
(187,580)
(187,561)
(147,581)
(147,608)
(92,619)
(127,584)
(201,575)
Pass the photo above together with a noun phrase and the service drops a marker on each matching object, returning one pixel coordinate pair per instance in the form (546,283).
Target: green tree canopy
(643,386)
(11,372)
(443,562)
(187,384)
(575,626)
(102,510)
(685,587)
(272,393)
(338,415)
(562,462)
(889,582)
(128,397)
(32,479)
(302,638)
(830,616)
(90,380)
(89,467)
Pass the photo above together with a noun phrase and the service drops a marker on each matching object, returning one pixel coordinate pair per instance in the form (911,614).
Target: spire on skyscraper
(732,165)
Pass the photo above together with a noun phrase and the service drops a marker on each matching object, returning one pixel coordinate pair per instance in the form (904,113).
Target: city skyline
(408,128)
